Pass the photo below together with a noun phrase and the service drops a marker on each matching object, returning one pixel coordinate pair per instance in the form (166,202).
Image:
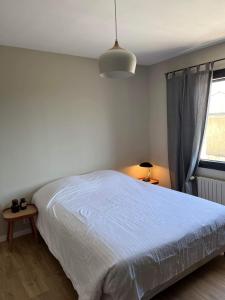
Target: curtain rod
(213,61)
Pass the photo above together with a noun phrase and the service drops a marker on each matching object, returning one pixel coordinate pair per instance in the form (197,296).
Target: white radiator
(211,189)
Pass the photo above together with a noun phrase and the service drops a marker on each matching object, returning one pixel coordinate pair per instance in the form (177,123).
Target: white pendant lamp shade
(117,63)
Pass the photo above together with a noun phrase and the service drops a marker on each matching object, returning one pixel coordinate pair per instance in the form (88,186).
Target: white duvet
(118,238)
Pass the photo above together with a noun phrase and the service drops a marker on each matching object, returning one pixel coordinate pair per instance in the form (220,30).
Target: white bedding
(119,238)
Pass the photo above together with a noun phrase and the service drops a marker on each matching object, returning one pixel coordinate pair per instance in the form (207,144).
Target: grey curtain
(187,102)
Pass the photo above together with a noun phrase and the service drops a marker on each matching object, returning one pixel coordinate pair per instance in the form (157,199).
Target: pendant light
(117,63)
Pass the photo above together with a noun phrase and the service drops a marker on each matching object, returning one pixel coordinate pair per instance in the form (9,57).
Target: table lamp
(149,166)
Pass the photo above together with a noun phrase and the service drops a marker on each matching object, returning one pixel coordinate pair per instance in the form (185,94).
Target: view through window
(213,147)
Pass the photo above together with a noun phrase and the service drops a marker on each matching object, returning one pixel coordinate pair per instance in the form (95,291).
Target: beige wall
(158,117)
(58,117)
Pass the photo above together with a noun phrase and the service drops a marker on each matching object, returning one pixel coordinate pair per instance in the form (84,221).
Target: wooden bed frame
(188,271)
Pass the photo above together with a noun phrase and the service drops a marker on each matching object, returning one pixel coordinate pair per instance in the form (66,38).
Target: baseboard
(16,234)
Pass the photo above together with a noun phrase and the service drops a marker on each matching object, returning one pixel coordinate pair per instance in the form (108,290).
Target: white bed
(122,239)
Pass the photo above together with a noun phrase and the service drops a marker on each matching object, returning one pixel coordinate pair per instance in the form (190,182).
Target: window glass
(213,147)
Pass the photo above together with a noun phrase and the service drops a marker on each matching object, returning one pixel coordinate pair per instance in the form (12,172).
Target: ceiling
(154,30)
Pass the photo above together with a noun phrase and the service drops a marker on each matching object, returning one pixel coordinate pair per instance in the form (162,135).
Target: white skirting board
(16,234)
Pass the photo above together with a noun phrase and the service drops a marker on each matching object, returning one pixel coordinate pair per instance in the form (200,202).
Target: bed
(118,238)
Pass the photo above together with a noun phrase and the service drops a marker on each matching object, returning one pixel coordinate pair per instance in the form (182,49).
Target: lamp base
(146,179)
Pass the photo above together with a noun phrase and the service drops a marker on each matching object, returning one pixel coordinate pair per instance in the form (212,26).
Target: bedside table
(152,181)
(29,213)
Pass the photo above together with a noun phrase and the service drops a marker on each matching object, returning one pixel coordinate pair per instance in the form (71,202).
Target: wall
(58,118)
(158,112)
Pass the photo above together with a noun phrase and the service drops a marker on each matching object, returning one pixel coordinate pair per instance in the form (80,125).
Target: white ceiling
(153,29)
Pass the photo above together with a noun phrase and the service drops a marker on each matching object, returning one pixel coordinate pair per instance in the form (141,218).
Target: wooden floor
(31,272)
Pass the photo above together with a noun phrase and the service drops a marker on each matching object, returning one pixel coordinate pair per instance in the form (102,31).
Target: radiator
(211,189)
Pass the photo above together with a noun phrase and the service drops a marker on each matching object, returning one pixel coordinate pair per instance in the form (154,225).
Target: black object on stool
(23,203)
(15,206)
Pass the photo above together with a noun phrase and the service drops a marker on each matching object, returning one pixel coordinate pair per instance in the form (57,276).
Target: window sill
(210,164)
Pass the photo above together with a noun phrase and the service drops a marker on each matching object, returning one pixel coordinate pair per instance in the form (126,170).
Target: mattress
(119,238)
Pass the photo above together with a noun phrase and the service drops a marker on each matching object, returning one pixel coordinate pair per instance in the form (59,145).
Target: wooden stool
(29,213)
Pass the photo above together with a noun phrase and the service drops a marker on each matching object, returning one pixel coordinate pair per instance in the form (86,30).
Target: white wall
(58,117)
(158,112)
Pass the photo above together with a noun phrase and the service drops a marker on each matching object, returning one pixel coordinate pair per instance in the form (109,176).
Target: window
(213,148)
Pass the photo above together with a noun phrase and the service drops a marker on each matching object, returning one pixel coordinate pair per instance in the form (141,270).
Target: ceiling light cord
(116,31)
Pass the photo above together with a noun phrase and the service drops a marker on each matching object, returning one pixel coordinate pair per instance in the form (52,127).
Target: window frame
(211,164)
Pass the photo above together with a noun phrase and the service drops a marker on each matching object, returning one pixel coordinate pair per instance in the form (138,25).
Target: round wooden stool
(29,213)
